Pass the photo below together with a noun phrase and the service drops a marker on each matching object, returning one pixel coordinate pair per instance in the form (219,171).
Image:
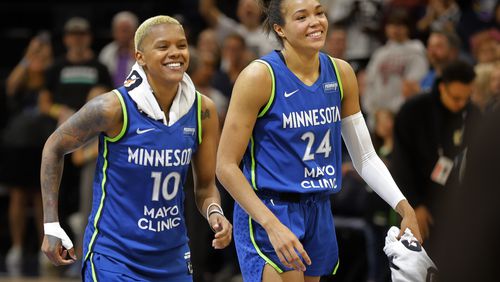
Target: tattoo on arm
(50,178)
(85,124)
(205,114)
(95,117)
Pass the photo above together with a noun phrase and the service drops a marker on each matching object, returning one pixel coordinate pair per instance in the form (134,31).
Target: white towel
(408,260)
(140,91)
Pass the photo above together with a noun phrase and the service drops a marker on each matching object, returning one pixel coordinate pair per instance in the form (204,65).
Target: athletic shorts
(99,267)
(308,216)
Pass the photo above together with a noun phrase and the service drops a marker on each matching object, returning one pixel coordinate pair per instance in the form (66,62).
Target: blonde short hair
(146,26)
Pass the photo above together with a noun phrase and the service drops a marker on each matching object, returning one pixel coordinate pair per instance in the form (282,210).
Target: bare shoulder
(345,69)
(208,115)
(105,111)
(256,73)
(108,103)
(101,114)
(207,106)
(104,101)
(350,100)
(253,86)
(256,70)
(208,110)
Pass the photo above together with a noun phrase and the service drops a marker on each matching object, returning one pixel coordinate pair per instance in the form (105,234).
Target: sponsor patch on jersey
(189,131)
(330,87)
(133,81)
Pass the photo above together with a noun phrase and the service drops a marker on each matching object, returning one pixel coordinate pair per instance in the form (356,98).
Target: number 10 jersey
(138,211)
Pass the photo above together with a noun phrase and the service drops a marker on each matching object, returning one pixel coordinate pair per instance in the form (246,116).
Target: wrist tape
(54,229)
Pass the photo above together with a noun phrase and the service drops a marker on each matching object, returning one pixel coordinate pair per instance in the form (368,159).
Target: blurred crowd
(428,71)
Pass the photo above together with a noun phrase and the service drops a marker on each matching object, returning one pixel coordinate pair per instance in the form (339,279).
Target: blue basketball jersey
(296,142)
(138,209)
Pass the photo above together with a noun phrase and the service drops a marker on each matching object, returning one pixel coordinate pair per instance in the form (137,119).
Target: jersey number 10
(173,176)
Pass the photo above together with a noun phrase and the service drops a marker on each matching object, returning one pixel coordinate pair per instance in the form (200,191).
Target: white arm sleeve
(366,161)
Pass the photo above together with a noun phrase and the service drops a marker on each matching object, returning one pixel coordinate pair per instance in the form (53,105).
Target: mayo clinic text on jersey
(323,177)
(160,219)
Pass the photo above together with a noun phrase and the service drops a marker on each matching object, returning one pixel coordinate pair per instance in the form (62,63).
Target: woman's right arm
(102,114)
(251,92)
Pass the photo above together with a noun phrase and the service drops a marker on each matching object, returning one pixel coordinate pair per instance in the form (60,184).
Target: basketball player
(149,131)
(286,115)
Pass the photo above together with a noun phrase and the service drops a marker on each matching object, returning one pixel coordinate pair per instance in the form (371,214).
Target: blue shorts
(308,216)
(99,267)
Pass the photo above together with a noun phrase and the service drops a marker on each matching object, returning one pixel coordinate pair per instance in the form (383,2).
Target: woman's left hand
(223,230)
(411,223)
(409,220)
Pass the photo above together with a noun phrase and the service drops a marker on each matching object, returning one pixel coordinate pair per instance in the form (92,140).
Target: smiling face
(163,52)
(305,24)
